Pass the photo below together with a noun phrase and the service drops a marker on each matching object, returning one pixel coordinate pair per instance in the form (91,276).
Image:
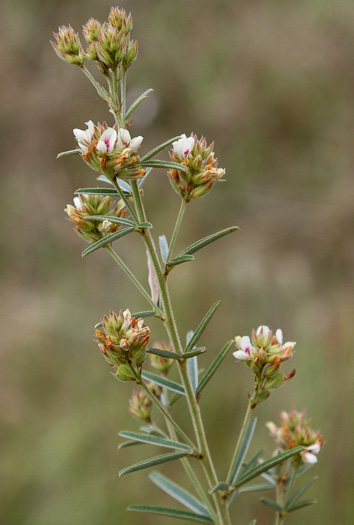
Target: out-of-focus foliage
(271,83)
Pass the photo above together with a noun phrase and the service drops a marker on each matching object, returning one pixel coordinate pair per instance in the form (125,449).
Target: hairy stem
(172,331)
(176,228)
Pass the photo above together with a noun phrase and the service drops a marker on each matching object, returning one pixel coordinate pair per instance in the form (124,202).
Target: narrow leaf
(171,513)
(213,367)
(137,103)
(97,191)
(192,368)
(126,444)
(161,381)
(179,260)
(252,463)
(267,465)
(163,164)
(163,247)
(155,440)
(222,486)
(114,220)
(195,352)
(153,279)
(151,429)
(107,240)
(207,240)
(69,153)
(159,148)
(142,180)
(142,315)
(243,450)
(301,504)
(273,504)
(202,326)
(152,462)
(165,353)
(257,487)
(104,178)
(300,492)
(179,494)
(123,185)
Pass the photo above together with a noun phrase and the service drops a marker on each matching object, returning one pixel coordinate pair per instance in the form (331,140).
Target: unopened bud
(125,373)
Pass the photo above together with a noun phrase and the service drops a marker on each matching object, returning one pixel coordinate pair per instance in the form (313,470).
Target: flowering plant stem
(176,228)
(171,328)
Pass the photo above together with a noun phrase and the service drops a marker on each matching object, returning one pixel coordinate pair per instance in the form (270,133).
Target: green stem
(290,486)
(123,96)
(134,279)
(126,202)
(239,442)
(176,228)
(172,331)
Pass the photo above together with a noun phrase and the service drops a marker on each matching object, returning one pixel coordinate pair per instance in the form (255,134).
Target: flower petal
(187,146)
(135,143)
(245,344)
(309,458)
(264,330)
(279,336)
(241,355)
(124,137)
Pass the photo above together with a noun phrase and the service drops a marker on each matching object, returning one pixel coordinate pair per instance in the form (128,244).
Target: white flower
(245,353)
(78,203)
(309,456)
(183,146)
(289,344)
(264,330)
(279,336)
(84,137)
(107,141)
(125,140)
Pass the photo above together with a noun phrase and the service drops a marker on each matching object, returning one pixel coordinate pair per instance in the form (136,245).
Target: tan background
(271,82)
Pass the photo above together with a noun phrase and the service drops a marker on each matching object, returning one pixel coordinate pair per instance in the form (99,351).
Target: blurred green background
(272,83)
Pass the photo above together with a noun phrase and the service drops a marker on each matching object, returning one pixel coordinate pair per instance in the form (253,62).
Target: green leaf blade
(68,153)
(97,191)
(207,240)
(159,148)
(164,353)
(272,504)
(293,499)
(171,513)
(114,220)
(213,367)
(161,381)
(179,493)
(134,106)
(179,260)
(107,240)
(155,440)
(301,504)
(144,314)
(167,164)
(202,326)
(244,449)
(152,462)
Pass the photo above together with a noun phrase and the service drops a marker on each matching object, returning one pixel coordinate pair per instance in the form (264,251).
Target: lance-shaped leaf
(168,164)
(159,148)
(179,493)
(267,465)
(243,449)
(299,492)
(162,381)
(171,513)
(202,326)
(114,220)
(222,486)
(207,240)
(301,504)
(273,504)
(126,444)
(246,469)
(142,180)
(137,103)
(98,191)
(165,353)
(151,429)
(152,462)
(143,315)
(163,247)
(155,440)
(69,153)
(257,487)
(179,260)
(192,368)
(213,367)
(107,240)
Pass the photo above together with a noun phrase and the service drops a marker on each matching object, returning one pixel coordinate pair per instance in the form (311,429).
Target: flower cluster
(295,431)
(68,46)
(163,364)
(123,342)
(94,205)
(140,406)
(110,151)
(109,44)
(201,167)
(264,353)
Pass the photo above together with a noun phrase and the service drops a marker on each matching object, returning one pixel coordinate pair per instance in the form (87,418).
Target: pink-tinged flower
(107,141)
(263,330)
(125,140)
(310,456)
(279,336)
(244,354)
(84,137)
(183,146)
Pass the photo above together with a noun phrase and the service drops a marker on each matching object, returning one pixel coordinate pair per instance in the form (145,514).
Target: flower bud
(125,373)
(140,406)
(68,46)
(130,54)
(91,30)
